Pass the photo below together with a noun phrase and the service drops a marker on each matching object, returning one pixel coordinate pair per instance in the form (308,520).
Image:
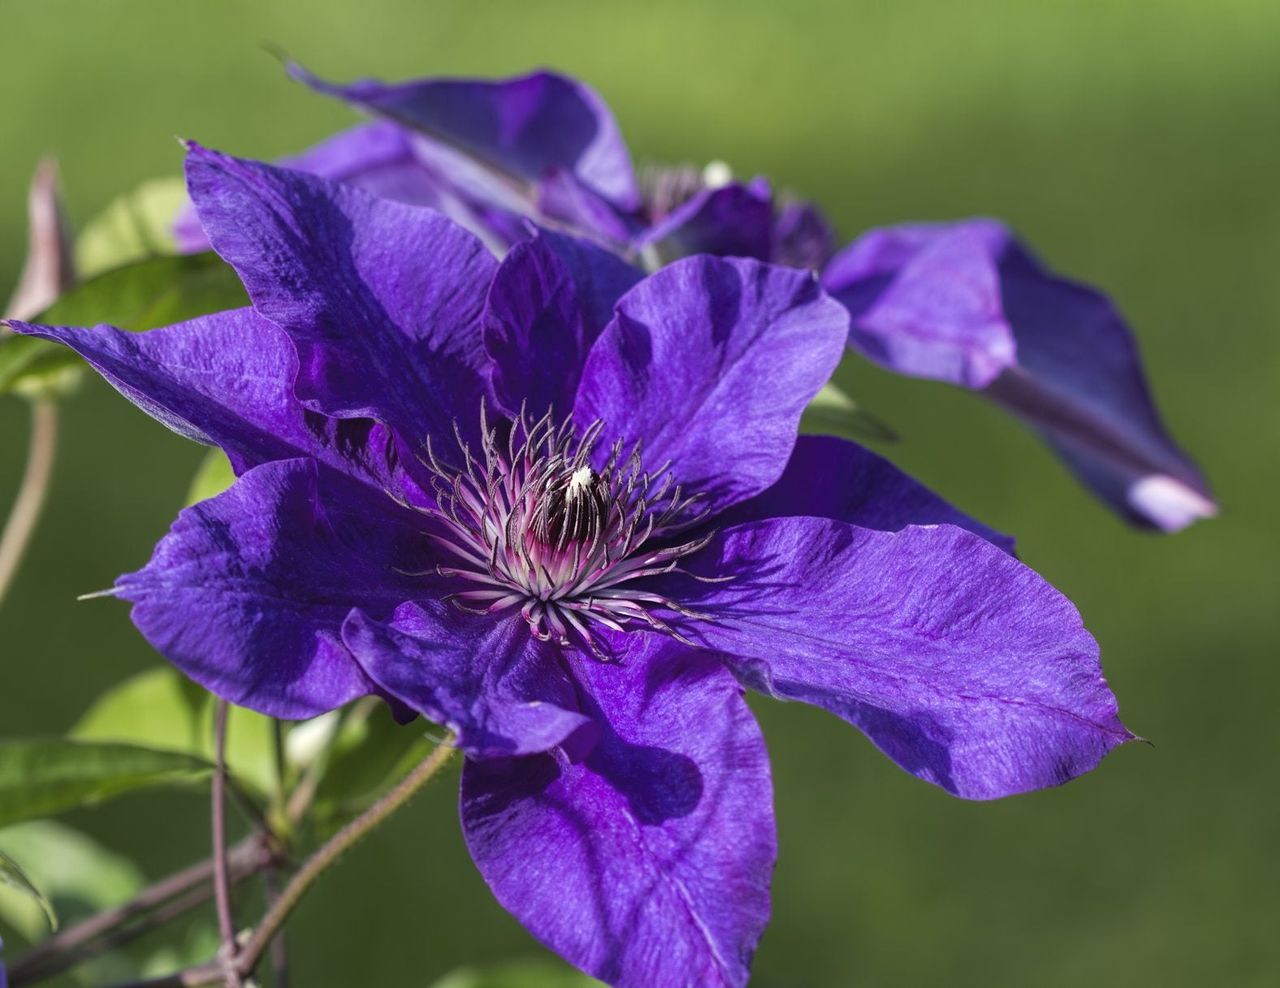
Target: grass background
(1135,143)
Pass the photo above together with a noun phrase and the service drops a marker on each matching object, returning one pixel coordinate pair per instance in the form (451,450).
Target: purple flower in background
(563,509)
(967,304)
(962,302)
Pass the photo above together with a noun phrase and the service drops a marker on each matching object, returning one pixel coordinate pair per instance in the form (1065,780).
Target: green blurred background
(1135,143)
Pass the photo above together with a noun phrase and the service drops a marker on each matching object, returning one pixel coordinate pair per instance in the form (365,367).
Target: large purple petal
(967,304)
(549,301)
(382,300)
(829,477)
(503,691)
(518,129)
(709,363)
(959,662)
(248,592)
(225,379)
(647,863)
(377,156)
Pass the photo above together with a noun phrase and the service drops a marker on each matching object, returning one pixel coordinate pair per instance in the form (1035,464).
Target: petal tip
(1169,504)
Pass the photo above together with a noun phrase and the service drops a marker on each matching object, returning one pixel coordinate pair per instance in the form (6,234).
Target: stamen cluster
(531,525)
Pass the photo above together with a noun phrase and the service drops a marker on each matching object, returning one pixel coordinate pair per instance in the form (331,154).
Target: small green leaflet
(137,225)
(139,296)
(14,877)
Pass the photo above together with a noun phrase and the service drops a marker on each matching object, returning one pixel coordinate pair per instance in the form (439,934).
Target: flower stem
(170,897)
(31,492)
(279,948)
(300,884)
(343,840)
(221,873)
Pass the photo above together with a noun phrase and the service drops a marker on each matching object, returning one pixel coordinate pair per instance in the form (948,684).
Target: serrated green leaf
(213,476)
(139,296)
(12,876)
(518,974)
(44,777)
(136,225)
(163,710)
(833,411)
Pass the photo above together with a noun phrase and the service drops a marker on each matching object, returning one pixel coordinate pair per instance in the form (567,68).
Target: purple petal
(828,477)
(227,380)
(959,662)
(709,363)
(503,691)
(966,303)
(735,220)
(565,200)
(517,128)
(647,863)
(248,592)
(548,303)
(382,300)
(925,301)
(377,157)
(802,237)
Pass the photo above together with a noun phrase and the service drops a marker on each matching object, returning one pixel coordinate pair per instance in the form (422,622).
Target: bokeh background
(1135,143)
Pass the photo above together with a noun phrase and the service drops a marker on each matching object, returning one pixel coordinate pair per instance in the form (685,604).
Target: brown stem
(221,875)
(94,935)
(317,865)
(279,948)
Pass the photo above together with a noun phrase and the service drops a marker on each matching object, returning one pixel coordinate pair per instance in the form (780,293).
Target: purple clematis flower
(563,509)
(963,302)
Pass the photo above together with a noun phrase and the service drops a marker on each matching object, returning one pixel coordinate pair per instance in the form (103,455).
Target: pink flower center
(532,526)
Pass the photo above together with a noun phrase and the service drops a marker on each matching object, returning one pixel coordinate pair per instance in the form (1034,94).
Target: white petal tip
(1169,504)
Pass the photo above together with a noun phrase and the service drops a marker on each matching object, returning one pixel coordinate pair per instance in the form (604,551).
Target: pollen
(582,479)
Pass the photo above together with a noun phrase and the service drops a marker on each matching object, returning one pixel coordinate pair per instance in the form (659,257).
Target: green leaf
(80,876)
(833,411)
(139,296)
(138,224)
(162,710)
(213,476)
(43,777)
(518,974)
(14,877)
(148,293)
(32,368)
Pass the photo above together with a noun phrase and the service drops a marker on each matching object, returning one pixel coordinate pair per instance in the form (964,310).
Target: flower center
(664,189)
(531,526)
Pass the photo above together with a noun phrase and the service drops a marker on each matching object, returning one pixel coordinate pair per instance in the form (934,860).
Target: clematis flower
(563,509)
(962,302)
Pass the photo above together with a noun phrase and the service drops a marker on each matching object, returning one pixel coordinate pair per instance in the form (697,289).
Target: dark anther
(575,508)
